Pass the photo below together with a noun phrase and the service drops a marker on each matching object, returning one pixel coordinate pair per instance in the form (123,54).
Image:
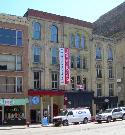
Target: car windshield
(106,111)
(63,113)
(123,108)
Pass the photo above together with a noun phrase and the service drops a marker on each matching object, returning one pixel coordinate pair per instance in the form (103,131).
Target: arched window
(98,53)
(78,41)
(36,30)
(54,34)
(72,40)
(83,43)
(110,55)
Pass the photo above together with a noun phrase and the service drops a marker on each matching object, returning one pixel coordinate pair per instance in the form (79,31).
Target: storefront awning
(46,92)
(13,102)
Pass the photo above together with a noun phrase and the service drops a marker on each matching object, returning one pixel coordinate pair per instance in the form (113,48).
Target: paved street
(113,128)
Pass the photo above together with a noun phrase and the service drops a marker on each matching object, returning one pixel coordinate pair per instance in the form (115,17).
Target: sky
(86,10)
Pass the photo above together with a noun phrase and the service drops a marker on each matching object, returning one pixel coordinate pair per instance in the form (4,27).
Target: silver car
(111,114)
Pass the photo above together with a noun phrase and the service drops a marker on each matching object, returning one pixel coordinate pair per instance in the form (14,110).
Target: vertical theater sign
(64,56)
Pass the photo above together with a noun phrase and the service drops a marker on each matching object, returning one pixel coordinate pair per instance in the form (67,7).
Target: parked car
(123,112)
(111,114)
(72,116)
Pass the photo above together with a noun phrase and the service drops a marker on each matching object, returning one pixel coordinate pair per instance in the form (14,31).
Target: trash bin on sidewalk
(45,121)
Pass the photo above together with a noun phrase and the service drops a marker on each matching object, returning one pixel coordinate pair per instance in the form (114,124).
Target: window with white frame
(36,54)
(99,89)
(72,40)
(84,83)
(72,61)
(54,33)
(78,79)
(111,89)
(110,54)
(110,71)
(10,62)
(84,63)
(98,71)
(11,37)
(19,84)
(10,84)
(83,42)
(78,61)
(98,53)
(18,62)
(72,82)
(37,80)
(54,56)
(36,30)
(78,40)
(55,80)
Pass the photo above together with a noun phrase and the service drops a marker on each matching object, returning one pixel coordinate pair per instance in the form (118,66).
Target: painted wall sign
(13,102)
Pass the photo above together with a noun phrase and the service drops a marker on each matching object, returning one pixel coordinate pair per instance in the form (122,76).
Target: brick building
(13,69)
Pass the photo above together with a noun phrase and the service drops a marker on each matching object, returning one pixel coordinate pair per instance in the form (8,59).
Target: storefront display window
(14,114)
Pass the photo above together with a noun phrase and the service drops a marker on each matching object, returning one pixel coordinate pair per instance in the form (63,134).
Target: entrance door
(55,110)
(33,116)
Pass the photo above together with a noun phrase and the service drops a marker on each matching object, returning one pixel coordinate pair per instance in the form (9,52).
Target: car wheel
(65,123)
(114,119)
(76,123)
(109,119)
(99,121)
(85,121)
(123,117)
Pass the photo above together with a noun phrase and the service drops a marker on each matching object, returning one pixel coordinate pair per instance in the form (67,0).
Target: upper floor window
(19,84)
(83,42)
(98,53)
(54,56)
(84,63)
(99,71)
(10,84)
(18,62)
(10,62)
(78,61)
(11,37)
(72,62)
(73,82)
(37,80)
(78,79)
(78,41)
(36,54)
(84,83)
(72,40)
(111,89)
(110,54)
(54,33)
(99,89)
(110,72)
(36,30)
(55,80)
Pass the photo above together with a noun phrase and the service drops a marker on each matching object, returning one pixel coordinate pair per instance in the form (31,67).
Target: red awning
(45,92)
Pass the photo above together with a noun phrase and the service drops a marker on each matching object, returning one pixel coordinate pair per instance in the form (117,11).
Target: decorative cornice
(54,17)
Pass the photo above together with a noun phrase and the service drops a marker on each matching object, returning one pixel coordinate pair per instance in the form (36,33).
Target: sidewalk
(23,126)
